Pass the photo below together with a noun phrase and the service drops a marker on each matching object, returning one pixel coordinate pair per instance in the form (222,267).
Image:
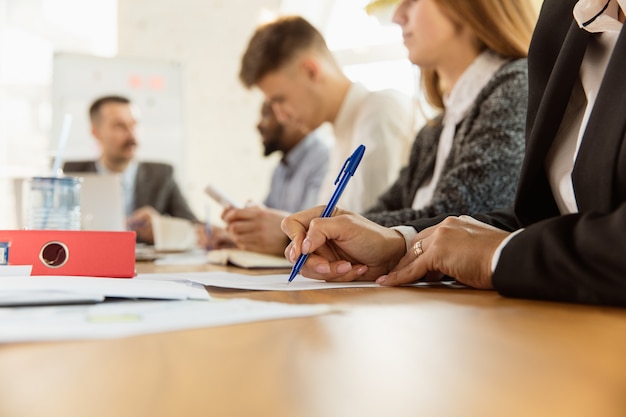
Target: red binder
(70,252)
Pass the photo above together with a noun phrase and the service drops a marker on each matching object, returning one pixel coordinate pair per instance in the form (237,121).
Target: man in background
(149,188)
(297,179)
(289,61)
(295,186)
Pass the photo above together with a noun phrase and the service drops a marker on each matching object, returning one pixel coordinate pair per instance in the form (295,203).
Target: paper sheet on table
(34,289)
(15,270)
(276,282)
(14,298)
(128,318)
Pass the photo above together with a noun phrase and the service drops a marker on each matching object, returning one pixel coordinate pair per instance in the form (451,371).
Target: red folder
(69,252)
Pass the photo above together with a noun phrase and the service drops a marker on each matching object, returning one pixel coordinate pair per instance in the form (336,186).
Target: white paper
(15,270)
(30,298)
(277,282)
(106,287)
(128,318)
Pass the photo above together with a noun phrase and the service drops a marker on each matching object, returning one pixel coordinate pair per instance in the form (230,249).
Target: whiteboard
(155,86)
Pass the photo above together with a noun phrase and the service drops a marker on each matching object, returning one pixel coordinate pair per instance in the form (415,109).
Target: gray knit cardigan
(482,169)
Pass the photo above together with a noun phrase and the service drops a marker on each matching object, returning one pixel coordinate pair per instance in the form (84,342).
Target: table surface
(387,352)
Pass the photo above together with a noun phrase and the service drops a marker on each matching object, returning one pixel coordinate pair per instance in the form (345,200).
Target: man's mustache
(129,143)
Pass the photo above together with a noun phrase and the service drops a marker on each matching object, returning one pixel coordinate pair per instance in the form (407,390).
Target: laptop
(101,202)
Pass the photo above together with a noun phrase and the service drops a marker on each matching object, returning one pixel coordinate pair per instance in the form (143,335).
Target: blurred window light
(367,45)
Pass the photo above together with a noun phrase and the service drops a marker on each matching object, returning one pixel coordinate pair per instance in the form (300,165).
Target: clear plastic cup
(52,203)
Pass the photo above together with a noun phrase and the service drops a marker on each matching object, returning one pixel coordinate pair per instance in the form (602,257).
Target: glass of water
(52,203)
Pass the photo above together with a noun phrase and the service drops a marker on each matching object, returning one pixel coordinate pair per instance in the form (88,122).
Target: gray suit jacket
(154,186)
(482,170)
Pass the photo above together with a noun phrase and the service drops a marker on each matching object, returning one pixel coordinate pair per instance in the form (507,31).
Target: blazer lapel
(142,180)
(594,171)
(558,90)
(534,186)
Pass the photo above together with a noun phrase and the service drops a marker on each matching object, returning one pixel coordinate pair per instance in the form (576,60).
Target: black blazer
(578,257)
(154,186)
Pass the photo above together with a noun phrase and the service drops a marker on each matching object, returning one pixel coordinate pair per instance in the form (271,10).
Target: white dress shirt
(384,122)
(127,178)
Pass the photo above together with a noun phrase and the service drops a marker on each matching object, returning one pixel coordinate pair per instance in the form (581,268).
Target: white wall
(208,38)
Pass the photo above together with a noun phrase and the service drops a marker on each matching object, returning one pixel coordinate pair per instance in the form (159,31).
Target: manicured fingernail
(322,268)
(344,268)
(306,245)
(361,270)
(381,280)
(292,255)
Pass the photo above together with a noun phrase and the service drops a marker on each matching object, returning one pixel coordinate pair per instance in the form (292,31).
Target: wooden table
(390,352)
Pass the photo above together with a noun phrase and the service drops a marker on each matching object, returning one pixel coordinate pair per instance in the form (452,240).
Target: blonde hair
(503,26)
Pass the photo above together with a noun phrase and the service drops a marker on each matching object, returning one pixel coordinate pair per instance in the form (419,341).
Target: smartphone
(219,196)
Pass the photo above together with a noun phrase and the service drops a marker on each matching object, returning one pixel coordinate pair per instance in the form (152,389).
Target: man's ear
(312,68)
(94,133)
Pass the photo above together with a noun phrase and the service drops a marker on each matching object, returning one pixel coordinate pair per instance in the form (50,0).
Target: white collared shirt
(128,183)
(384,122)
(588,16)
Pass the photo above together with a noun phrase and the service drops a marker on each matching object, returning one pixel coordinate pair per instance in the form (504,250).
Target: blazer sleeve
(503,219)
(390,201)
(177,205)
(155,186)
(397,196)
(575,258)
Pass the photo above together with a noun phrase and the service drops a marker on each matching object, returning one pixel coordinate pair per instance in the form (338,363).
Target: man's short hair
(274,44)
(94,109)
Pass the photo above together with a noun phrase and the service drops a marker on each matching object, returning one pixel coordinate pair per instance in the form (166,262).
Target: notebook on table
(246,259)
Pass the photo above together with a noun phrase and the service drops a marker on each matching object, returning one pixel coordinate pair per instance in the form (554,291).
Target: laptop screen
(101,202)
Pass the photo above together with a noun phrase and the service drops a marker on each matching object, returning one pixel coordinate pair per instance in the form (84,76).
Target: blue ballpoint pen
(347,171)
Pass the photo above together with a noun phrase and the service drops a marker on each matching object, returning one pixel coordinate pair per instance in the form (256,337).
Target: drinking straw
(65,133)
(56,166)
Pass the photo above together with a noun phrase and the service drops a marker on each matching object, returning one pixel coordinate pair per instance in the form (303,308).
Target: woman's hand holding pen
(343,247)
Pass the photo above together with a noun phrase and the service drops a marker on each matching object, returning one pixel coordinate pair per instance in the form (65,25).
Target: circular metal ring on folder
(54,254)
